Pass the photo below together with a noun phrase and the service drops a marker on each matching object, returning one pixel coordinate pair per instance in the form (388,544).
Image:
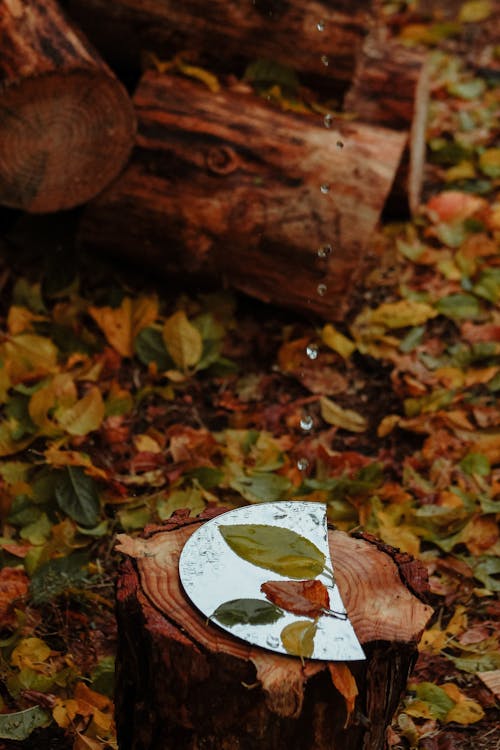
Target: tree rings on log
(184,683)
(66,123)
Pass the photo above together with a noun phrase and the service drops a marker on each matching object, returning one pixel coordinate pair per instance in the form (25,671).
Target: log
(224,183)
(224,36)
(66,123)
(391,88)
(184,683)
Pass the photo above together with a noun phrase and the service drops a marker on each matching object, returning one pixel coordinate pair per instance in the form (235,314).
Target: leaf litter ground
(123,401)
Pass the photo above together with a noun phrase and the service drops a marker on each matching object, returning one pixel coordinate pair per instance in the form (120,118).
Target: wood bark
(66,123)
(391,88)
(317,38)
(224,183)
(184,683)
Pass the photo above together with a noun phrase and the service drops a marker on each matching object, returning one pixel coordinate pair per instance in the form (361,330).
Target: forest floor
(123,400)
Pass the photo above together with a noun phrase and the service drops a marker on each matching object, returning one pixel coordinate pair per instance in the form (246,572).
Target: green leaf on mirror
(298,638)
(274,548)
(247,612)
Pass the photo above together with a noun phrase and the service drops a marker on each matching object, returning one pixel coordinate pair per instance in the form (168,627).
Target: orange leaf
(344,681)
(308,598)
(121,324)
(14,585)
(453,205)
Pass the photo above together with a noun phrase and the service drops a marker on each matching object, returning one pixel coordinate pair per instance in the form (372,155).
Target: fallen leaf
(308,598)
(337,341)
(28,357)
(122,324)
(347,419)
(32,653)
(246,612)
(344,681)
(14,585)
(183,341)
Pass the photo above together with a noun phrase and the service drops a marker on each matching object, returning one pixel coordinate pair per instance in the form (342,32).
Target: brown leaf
(14,584)
(308,598)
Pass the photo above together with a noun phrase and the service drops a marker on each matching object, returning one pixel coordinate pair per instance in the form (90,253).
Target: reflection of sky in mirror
(212,574)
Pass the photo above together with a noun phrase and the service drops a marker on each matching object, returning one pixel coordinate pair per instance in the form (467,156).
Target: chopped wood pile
(224,183)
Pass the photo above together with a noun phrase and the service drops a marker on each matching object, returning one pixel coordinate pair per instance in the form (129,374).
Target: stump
(66,123)
(184,683)
(223,183)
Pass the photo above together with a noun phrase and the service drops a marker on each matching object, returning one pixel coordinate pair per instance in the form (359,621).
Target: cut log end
(63,138)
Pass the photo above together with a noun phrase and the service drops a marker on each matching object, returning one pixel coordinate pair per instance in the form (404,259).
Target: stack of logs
(217,183)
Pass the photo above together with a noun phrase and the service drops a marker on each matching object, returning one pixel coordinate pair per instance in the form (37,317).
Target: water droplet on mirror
(312,351)
(320,25)
(307,423)
(321,290)
(302,464)
(314,519)
(325,188)
(324,251)
(272,641)
(328,121)
(325,60)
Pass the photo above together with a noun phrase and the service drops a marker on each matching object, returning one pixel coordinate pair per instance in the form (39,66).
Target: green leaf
(487,570)
(474,663)
(274,548)
(459,306)
(207,476)
(298,638)
(18,726)
(476,463)
(412,339)
(149,347)
(261,487)
(438,700)
(247,612)
(77,496)
(103,676)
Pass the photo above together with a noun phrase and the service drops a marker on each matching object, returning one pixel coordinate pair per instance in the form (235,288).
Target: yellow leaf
(31,653)
(121,325)
(200,74)
(348,419)
(8,445)
(465,711)
(183,340)
(401,314)
(56,457)
(387,424)
(64,711)
(337,341)
(59,392)
(475,11)
(28,357)
(20,318)
(147,444)
(344,681)
(85,416)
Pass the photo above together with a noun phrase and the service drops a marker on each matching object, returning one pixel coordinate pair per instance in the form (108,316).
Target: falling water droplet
(321,290)
(340,144)
(307,423)
(324,251)
(325,188)
(272,641)
(312,351)
(328,120)
(302,464)
(325,60)
(320,25)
